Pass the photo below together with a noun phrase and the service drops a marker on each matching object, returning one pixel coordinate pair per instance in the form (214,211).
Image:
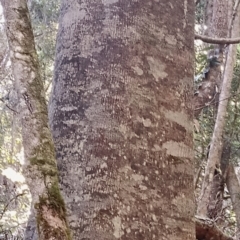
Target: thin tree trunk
(121,118)
(233,187)
(40,164)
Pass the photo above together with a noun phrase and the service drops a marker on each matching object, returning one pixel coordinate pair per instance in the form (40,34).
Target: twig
(8,106)
(6,206)
(211,103)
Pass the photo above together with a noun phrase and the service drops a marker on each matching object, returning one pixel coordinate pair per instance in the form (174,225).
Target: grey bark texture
(121,118)
(208,5)
(40,168)
(233,187)
(232,181)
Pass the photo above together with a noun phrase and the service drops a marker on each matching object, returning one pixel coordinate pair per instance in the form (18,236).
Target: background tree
(208,203)
(40,163)
(220,169)
(14,195)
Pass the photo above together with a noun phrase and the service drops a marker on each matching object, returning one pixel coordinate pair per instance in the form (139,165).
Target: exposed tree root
(206,229)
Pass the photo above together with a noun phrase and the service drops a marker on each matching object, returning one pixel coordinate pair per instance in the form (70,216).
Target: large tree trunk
(121,112)
(40,165)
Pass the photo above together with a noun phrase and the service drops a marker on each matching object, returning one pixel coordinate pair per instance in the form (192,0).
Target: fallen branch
(217,40)
(206,229)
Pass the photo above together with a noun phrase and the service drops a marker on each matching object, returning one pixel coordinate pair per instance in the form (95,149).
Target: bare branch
(6,105)
(217,40)
(14,198)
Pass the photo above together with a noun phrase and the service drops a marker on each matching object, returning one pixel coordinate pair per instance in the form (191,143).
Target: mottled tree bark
(40,165)
(220,20)
(121,117)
